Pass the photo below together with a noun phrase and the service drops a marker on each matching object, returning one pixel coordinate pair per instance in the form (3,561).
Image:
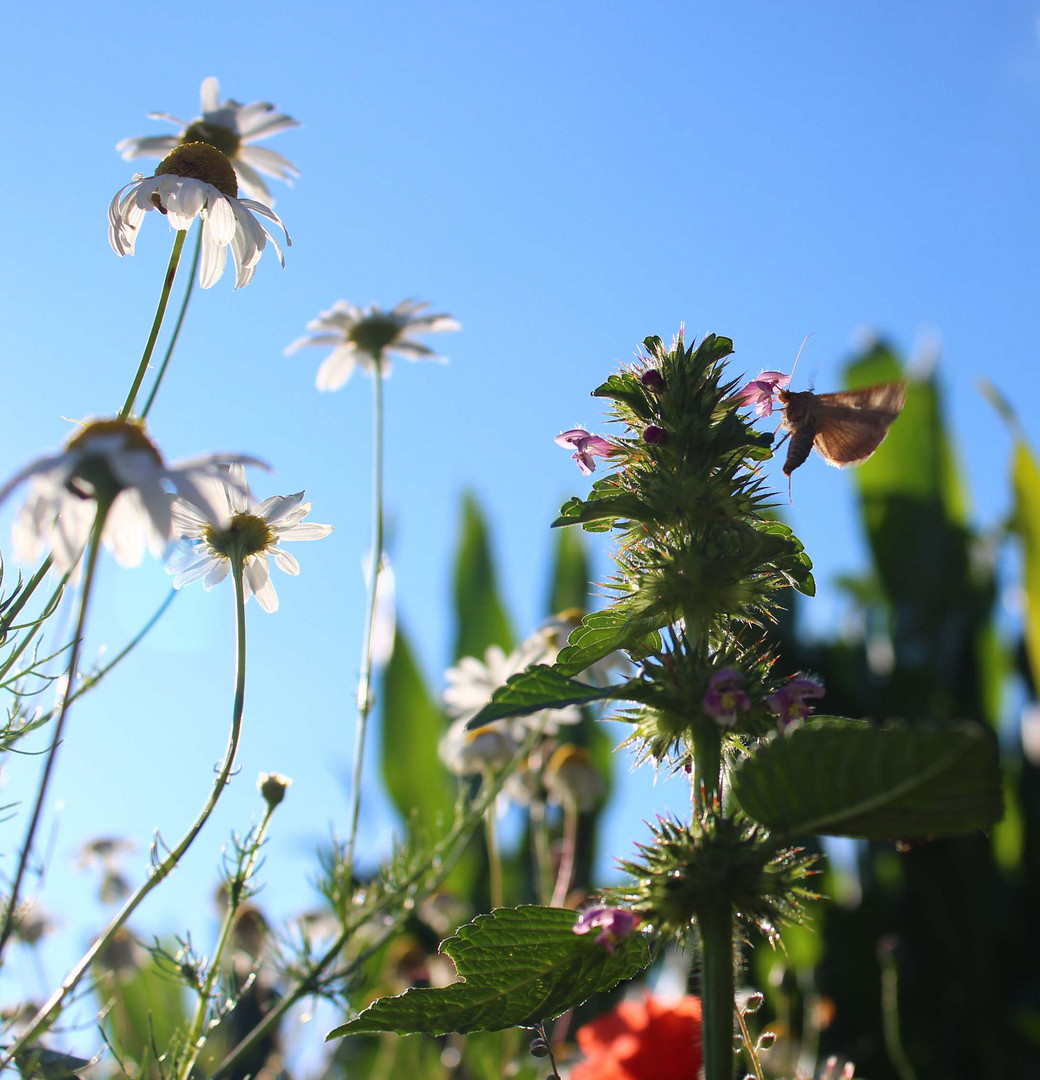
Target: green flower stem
(749,1045)
(195,1035)
(364,697)
(569,851)
(707,765)
(36,624)
(177,326)
(494,854)
(542,851)
(19,602)
(718,989)
(164,867)
(443,858)
(59,729)
(160,311)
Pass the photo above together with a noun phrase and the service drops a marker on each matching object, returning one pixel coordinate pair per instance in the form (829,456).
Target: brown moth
(846,427)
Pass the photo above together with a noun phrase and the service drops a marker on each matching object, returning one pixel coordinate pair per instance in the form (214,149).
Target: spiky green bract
(699,555)
(688,869)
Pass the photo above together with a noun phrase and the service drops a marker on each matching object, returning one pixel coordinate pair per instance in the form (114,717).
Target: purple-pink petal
(586,447)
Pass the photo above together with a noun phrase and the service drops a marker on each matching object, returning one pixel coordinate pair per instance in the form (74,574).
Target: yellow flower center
(201,161)
(374,333)
(246,535)
(94,477)
(224,139)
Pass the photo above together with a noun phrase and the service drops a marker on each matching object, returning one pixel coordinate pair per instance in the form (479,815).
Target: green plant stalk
(195,1040)
(569,852)
(89,575)
(749,1046)
(364,697)
(444,857)
(19,602)
(177,326)
(494,854)
(160,312)
(542,851)
(49,1011)
(707,765)
(718,988)
(36,625)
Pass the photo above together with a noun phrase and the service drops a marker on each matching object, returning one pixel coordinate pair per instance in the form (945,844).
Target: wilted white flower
(363,336)
(193,181)
(470,686)
(230,127)
(115,462)
(245,528)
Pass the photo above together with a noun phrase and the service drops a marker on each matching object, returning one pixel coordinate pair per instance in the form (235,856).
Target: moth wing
(848,440)
(886,398)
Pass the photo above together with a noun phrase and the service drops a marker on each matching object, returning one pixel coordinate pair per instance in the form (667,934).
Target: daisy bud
(273,786)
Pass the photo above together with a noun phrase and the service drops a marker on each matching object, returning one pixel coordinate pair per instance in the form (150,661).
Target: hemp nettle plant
(703,571)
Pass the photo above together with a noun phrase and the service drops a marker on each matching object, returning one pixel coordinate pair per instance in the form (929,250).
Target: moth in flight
(846,427)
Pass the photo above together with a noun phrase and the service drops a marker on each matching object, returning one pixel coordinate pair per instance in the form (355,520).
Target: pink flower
(725,698)
(759,392)
(586,447)
(613,924)
(789,703)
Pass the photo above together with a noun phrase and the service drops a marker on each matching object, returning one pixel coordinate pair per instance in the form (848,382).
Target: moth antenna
(798,357)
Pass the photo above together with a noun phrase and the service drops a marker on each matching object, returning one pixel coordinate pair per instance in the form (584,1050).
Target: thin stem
(160,311)
(568,855)
(494,855)
(364,698)
(162,868)
(177,326)
(542,851)
(59,729)
(443,857)
(19,602)
(748,1045)
(718,988)
(195,1040)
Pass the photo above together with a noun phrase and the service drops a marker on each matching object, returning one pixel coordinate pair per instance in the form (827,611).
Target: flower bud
(655,435)
(273,786)
(652,378)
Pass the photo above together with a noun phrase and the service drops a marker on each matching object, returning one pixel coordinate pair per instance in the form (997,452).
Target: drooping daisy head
(244,529)
(197,181)
(115,464)
(231,127)
(364,337)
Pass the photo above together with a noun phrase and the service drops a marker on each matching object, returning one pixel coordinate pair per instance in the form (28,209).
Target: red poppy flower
(643,1040)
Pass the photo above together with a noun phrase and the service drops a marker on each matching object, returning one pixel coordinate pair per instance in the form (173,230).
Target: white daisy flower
(193,181)
(231,127)
(114,461)
(247,528)
(470,686)
(363,336)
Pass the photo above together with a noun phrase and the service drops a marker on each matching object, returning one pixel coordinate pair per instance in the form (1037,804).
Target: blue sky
(564,179)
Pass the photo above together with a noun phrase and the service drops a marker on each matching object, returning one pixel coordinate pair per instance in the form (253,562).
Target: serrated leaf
(542,687)
(850,778)
(517,967)
(603,632)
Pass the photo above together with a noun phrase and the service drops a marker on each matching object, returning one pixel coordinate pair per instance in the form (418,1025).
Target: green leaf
(850,778)
(517,967)
(1026,482)
(412,726)
(482,618)
(603,632)
(542,687)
